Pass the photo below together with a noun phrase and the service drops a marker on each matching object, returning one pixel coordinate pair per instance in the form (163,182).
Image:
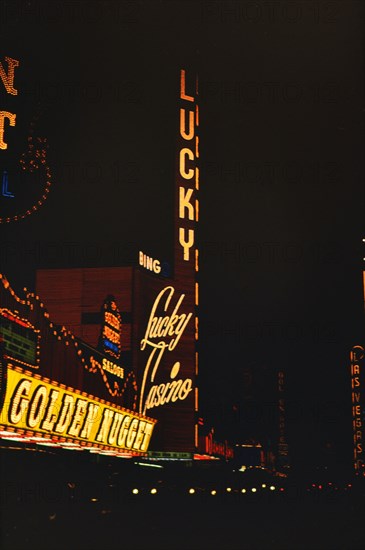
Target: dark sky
(282,198)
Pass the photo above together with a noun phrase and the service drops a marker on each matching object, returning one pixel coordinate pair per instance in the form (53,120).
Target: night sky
(282,197)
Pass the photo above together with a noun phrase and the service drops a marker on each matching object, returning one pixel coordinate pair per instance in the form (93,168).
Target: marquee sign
(37,407)
(76,397)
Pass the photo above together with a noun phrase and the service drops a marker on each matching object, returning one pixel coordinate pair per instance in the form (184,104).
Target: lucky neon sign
(188,172)
(163,334)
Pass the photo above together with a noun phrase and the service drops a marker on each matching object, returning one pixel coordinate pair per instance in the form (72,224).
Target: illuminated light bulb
(263,485)
(228,489)
(153,491)
(243,491)
(272,488)
(94,500)
(191,491)
(214,492)
(135,491)
(254,489)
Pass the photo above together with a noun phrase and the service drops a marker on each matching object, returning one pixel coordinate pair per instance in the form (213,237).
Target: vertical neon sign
(8,81)
(357,355)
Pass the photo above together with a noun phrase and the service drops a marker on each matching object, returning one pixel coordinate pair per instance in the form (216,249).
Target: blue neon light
(5,182)
(110,345)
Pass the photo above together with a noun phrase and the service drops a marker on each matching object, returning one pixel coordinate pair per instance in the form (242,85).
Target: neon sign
(149,263)
(111,328)
(356,362)
(4,188)
(8,81)
(163,334)
(40,407)
(31,167)
(189,152)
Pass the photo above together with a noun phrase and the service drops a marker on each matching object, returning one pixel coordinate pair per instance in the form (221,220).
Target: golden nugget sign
(163,334)
(34,405)
(7,78)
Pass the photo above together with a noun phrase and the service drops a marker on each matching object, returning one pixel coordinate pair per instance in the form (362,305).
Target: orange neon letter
(8,79)
(11,117)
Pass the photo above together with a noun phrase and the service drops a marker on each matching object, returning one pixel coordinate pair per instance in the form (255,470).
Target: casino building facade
(107,359)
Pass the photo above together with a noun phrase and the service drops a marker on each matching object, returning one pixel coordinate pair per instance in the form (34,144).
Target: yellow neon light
(196,259)
(185,152)
(186,244)
(33,404)
(184,202)
(190,134)
(196,177)
(12,118)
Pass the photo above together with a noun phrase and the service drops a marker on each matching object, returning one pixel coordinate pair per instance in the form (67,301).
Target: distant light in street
(153,491)
(263,485)
(94,500)
(214,492)
(272,488)
(228,489)
(135,491)
(254,489)
(243,491)
(191,491)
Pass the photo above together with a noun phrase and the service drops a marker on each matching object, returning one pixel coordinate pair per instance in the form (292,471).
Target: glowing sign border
(17,375)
